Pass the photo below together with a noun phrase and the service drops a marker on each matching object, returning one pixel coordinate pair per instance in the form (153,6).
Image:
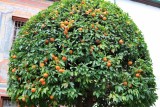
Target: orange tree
(81,53)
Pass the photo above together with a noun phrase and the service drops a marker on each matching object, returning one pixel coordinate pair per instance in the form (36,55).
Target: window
(17,25)
(18,22)
(150,2)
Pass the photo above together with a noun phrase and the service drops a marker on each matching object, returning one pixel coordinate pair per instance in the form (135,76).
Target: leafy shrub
(81,53)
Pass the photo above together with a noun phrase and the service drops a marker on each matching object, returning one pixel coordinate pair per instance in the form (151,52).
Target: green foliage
(78,53)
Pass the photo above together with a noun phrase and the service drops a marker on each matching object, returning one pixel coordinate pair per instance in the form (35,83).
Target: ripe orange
(130,63)
(14,70)
(43,83)
(108,64)
(46,42)
(61,70)
(93,14)
(90,10)
(23,99)
(96,28)
(125,83)
(64,58)
(139,71)
(58,67)
(137,75)
(87,12)
(41,80)
(33,90)
(14,56)
(104,13)
(104,18)
(55,58)
(71,13)
(66,22)
(45,75)
(70,51)
(51,39)
(51,97)
(41,64)
(104,59)
(121,41)
(80,29)
(82,2)
(62,25)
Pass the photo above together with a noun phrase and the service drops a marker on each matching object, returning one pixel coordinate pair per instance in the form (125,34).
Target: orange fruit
(55,58)
(64,58)
(139,71)
(104,18)
(51,39)
(33,66)
(87,12)
(125,83)
(46,42)
(104,13)
(70,51)
(104,59)
(108,64)
(45,75)
(80,29)
(23,99)
(96,28)
(121,41)
(66,22)
(61,70)
(65,32)
(58,67)
(14,70)
(51,97)
(71,13)
(90,10)
(130,63)
(137,75)
(93,14)
(33,90)
(43,83)
(41,64)
(41,80)
(82,2)
(14,56)
(62,25)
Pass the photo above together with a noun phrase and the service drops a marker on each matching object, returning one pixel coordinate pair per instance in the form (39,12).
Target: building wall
(9,8)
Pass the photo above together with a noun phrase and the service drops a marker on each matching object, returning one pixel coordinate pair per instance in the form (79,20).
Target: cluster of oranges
(66,25)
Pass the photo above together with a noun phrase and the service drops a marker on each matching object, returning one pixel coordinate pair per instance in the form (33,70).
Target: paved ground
(148,20)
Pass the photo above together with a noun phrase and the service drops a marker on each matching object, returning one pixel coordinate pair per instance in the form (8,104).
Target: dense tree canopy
(81,53)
